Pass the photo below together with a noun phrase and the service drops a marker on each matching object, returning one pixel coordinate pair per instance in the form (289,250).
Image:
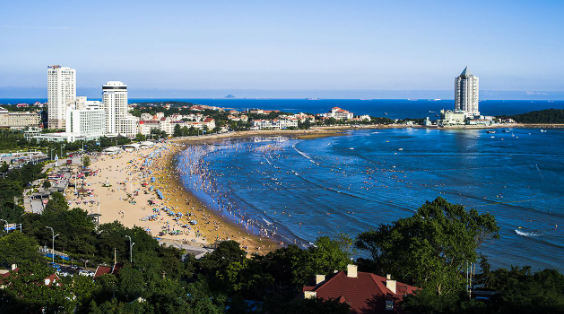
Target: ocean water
(391,108)
(297,190)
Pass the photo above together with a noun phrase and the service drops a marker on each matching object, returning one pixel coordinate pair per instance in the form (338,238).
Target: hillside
(547,116)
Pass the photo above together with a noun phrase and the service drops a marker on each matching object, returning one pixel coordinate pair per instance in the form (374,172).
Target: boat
(490,132)
(313,98)
(543,131)
(505,131)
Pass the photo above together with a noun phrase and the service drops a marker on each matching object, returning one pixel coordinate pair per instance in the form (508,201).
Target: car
(83,272)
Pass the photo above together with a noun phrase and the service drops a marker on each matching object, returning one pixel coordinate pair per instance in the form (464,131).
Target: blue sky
(276,45)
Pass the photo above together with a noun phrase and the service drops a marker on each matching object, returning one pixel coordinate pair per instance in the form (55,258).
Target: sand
(122,172)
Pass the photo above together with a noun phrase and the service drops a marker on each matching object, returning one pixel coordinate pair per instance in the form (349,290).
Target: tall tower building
(114,102)
(61,91)
(466,93)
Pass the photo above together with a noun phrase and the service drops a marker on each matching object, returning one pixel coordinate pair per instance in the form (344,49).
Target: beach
(123,187)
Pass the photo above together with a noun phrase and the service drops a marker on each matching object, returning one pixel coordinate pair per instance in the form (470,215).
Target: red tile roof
(367,293)
(53,278)
(102,270)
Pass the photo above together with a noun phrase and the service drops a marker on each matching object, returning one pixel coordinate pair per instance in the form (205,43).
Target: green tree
(177,130)
(324,257)
(431,248)
(17,248)
(140,137)
(86,161)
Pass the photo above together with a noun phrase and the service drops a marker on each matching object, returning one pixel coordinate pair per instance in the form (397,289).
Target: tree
(57,203)
(17,248)
(177,130)
(140,137)
(324,257)
(431,248)
(86,161)
(46,184)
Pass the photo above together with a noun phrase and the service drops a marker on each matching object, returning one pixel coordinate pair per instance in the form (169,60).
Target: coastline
(121,191)
(253,240)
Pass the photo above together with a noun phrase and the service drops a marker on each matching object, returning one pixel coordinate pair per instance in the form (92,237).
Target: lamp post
(131,244)
(53,248)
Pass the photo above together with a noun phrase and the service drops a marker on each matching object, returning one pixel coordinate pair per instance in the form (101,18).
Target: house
(338,114)
(48,281)
(364,292)
(102,270)
(302,117)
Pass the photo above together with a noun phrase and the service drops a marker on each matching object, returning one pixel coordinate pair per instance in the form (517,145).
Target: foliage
(86,161)
(17,248)
(431,248)
(547,116)
(324,257)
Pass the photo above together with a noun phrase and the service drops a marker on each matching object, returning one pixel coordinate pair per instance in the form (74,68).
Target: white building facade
(86,119)
(466,93)
(118,120)
(61,91)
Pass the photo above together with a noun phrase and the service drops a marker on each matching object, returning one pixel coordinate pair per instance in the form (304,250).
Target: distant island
(547,116)
(229,97)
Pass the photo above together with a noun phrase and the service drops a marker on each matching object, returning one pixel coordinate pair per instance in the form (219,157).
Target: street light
(53,249)
(131,244)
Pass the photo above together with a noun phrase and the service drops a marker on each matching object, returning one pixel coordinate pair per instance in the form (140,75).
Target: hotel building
(118,119)
(466,93)
(61,91)
(18,119)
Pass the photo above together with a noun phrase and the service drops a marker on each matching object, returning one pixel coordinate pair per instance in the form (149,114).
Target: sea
(296,190)
(391,108)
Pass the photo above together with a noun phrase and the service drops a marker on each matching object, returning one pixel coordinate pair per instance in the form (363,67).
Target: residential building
(449,117)
(466,93)
(364,292)
(118,119)
(86,120)
(302,117)
(338,114)
(19,119)
(61,91)
(281,123)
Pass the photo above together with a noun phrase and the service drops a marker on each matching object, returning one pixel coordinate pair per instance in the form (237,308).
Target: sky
(284,45)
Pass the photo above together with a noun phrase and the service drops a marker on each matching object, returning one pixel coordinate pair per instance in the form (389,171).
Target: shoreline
(297,134)
(123,188)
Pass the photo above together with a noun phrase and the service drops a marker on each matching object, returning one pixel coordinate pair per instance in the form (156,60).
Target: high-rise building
(466,93)
(118,120)
(61,92)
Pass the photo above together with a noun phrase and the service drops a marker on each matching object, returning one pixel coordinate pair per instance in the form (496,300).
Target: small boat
(543,131)
(490,132)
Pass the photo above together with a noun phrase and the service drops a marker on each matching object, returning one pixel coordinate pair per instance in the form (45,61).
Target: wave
(527,234)
(303,154)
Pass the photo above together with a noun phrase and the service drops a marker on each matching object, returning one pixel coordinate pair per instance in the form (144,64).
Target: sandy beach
(122,188)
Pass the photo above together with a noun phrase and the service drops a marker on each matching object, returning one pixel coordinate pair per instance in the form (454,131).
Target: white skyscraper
(114,100)
(61,91)
(466,93)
